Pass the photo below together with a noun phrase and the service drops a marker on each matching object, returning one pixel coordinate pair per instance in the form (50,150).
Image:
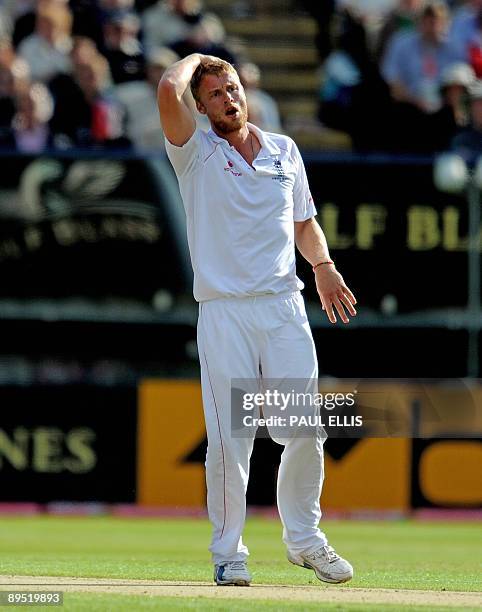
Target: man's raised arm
(177,120)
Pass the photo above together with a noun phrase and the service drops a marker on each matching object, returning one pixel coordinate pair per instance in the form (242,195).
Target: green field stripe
(86,602)
(438,556)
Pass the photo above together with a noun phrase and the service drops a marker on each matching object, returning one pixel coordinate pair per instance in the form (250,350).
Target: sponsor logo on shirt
(280,173)
(230,168)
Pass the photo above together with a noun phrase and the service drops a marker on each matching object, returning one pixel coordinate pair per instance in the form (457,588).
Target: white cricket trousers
(251,338)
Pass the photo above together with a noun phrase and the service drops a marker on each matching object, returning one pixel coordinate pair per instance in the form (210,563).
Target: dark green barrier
(74,443)
(390,231)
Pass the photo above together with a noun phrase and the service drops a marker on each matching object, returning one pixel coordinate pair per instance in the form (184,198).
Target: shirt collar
(268,146)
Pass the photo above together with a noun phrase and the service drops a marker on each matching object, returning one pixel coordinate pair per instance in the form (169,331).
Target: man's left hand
(333,292)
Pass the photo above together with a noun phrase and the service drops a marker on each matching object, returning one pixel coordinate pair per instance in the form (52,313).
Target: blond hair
(216,67)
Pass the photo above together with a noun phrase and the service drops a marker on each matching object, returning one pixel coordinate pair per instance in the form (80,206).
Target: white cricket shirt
(240,218)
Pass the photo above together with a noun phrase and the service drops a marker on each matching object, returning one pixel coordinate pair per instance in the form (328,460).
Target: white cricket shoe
(327,565)
(232,573)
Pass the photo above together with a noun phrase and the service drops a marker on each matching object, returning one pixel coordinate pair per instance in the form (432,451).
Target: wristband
(323,263)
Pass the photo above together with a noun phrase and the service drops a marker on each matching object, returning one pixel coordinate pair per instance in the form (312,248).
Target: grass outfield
(118,603)
(388,555)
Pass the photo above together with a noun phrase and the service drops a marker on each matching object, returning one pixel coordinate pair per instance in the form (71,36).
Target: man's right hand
(177,120)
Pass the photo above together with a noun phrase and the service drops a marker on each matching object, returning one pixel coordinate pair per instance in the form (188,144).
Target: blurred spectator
(7,52)
(7,102)
(353,96)
(90,15)
(47,50)
(469,142)
(414,61)
(30,129)
(13,14)
(207,37)
(87,112)
(402,19)
(122,49)
(64,87)
(341,74)
(465,35)
(169,21)
(455,82)
(262,108)
(418,132)
(25,17)
(14,77)
(322,12)
(66,91)
(140,101)
(83,49)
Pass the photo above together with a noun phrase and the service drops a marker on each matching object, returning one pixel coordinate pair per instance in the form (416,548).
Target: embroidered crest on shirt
(230,168)
(280,173)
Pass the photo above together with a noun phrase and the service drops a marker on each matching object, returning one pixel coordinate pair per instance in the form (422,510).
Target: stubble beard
(228,127)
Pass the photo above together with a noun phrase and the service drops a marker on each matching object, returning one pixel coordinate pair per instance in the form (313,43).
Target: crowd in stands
(407,82)
(84,73)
